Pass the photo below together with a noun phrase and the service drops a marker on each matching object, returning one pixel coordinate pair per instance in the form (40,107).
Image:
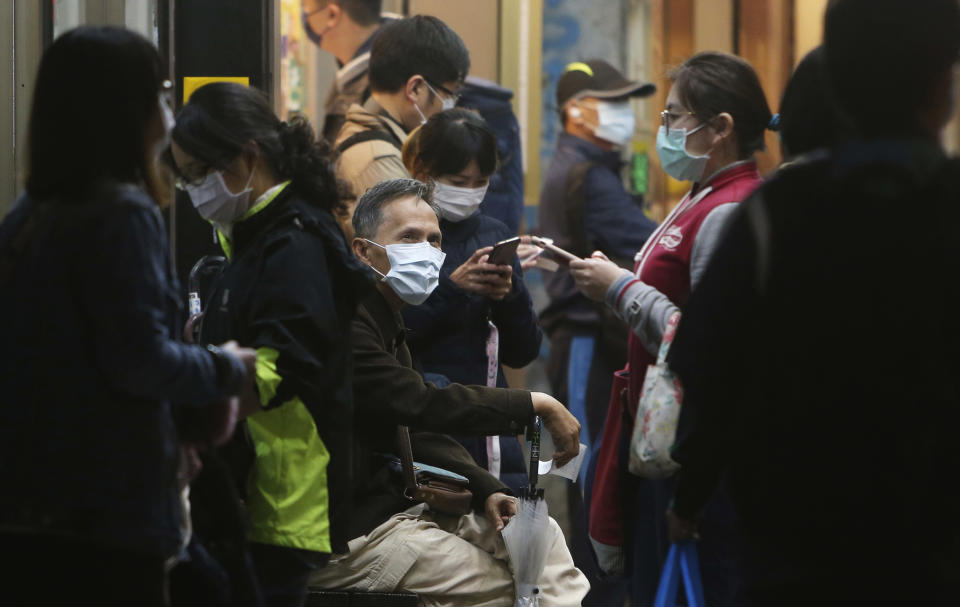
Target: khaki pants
(449,562)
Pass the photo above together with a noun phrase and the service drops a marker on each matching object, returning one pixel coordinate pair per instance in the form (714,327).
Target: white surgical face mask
(676,161)
(414,270)
(216,203)
(615,122)
(456,203)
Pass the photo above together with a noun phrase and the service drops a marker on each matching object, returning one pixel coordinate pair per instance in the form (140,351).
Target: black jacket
(290,290)
(612,222)
(819,361)
(504,199)
(389,392)
(91,371)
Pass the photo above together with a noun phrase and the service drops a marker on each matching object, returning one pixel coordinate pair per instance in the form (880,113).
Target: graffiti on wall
(574,30)
(561,32)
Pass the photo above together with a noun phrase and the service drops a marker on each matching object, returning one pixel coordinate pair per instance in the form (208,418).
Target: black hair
(362,12)
(885,57)
(711,83)
(222,118)
(421,45)
(808,116)
(447,143)
(97,90)
(368,214)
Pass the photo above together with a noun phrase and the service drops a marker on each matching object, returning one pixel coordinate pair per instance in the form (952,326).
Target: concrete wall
(477,22)
(808,26)
(21,45)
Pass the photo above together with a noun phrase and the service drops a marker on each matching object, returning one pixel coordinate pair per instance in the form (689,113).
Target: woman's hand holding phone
(479,277)
(595,274)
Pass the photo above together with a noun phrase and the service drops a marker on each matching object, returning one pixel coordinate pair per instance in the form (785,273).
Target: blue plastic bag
(681,562)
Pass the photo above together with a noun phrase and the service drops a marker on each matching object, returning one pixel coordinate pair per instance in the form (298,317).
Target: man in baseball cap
(584,207)
(597,80)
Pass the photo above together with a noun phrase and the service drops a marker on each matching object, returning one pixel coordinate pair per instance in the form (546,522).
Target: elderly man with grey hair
(399,545)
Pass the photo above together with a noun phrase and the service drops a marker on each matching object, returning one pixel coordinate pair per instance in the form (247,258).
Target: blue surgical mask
(676,161)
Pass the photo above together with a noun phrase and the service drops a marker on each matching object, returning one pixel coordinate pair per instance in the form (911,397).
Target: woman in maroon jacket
(714,122)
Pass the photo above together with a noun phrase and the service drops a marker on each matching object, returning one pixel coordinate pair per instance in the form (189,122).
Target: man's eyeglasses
(450,94)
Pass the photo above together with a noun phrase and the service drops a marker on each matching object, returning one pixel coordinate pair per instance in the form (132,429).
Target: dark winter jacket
(795,393)
(290,290)
(447,334)
(504,199)
(90,370)
(612,219)
(387,392)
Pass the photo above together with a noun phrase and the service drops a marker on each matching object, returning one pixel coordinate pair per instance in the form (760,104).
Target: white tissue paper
(568,471)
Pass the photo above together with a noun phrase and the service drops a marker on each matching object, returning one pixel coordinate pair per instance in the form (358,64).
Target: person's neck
(718,161)
(393,300)
(262,181)
(345,45)
(587,135)
(393,104)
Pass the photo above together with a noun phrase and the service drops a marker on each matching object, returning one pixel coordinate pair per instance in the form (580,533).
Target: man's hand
(500,508)
(481,278)
(680,529)
(595,274)
(563,427)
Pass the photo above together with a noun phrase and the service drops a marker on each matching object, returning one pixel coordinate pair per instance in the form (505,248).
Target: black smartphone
(503,252)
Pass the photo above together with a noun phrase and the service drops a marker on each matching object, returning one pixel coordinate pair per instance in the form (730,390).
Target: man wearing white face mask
(416,66)
(398,545)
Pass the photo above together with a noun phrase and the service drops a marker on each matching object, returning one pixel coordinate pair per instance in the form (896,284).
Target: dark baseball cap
(597,78)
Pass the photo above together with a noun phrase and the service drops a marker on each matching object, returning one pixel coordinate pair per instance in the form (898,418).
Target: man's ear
(334,15)
(412,88)
(359,246)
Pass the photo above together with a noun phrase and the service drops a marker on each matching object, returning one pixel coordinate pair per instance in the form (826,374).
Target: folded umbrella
(527,536)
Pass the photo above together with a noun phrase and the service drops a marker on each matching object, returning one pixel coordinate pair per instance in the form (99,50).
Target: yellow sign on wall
(192,83)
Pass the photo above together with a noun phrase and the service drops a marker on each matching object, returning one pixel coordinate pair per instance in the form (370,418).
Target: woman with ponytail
(289,291)
(713,125)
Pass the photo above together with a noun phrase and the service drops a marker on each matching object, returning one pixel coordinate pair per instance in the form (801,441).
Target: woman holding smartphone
(713,124)
(481,315)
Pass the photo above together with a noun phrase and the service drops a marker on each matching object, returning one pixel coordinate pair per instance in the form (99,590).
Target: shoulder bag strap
(369,135)
(406,457)
(574,190)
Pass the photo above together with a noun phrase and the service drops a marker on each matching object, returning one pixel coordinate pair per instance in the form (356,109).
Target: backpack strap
(576,201)
(369,135)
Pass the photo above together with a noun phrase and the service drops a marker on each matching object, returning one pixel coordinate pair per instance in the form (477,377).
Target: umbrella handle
(534,435)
